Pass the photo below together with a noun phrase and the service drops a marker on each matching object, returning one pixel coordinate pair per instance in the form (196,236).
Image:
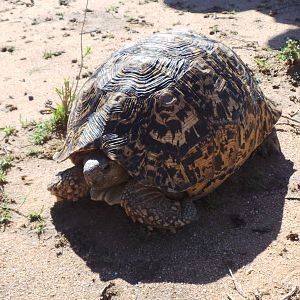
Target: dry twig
(103,292)
(229,297)
(291,119)
(81,45)
(292,198)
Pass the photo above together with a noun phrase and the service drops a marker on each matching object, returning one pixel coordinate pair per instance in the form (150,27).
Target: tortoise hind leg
(151,207)
(270,145)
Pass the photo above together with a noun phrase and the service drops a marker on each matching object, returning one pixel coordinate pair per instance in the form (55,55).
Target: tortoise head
(101,172)
(93,172)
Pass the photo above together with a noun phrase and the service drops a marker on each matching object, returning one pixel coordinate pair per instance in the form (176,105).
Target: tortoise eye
(167,99)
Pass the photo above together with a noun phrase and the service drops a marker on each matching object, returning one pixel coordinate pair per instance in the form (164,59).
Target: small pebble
(294,237)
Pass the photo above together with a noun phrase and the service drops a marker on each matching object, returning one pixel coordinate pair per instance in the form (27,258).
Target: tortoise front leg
(69,184)
(151,207)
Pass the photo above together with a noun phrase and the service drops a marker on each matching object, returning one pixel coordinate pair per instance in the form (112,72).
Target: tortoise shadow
(286,12)
(237,222)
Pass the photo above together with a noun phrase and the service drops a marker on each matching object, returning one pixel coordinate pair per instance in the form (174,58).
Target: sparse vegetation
(36,216)
(214,29)
(39,220)
(5,214)
(34,152)
(262,65)
(9,131)
(40,228)
(112,9)
(26,123)
(2,177)
(50,54)
(291,52)
(60,113)
(42,133)
(59,118)
(60,15)
(5,164)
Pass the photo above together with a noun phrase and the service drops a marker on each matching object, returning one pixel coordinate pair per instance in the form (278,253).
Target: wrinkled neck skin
(101,173)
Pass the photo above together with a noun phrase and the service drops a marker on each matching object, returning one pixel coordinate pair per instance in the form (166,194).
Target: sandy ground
(92,251)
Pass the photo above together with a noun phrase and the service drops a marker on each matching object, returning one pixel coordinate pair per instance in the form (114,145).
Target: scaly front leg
(151,207)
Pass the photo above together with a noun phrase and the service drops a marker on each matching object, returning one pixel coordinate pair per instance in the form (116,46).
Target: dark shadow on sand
(237,222)
(286,12)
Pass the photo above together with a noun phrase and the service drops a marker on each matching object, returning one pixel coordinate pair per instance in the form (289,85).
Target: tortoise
(163,122)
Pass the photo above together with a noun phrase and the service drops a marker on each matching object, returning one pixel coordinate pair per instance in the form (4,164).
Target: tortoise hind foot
(270,146)
(152,208)
(69,184)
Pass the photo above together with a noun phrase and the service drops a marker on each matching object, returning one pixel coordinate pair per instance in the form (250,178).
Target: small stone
(249,271)
(64,2)
(294,237)
(30,98)
(10,107)
(74,61)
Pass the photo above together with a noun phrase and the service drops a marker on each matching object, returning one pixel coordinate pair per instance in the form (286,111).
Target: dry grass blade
(237,285)
(290,294)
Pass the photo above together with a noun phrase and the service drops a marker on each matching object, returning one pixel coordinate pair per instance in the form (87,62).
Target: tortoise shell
(177,110)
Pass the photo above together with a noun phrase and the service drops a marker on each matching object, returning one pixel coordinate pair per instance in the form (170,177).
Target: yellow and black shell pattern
(177,110)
